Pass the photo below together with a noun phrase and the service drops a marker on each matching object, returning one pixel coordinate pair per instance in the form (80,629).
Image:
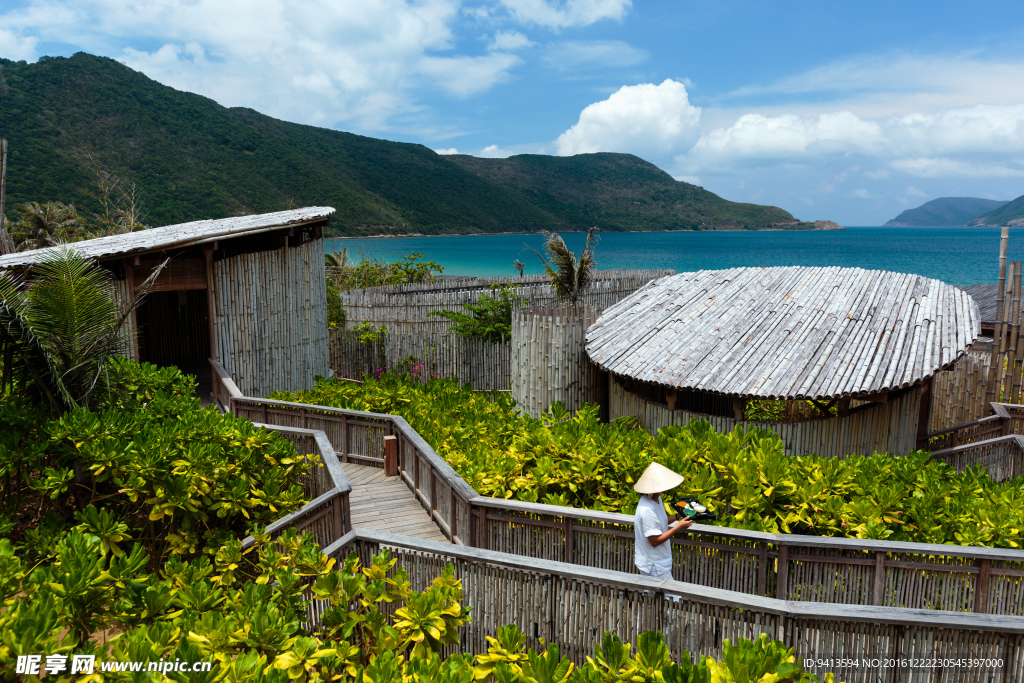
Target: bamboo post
(990,394)
(1013,385)
(4,239)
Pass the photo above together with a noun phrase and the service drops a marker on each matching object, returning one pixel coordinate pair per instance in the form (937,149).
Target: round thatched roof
(786,332)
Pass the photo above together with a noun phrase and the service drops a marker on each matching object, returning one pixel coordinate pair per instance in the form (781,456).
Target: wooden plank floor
(386,504)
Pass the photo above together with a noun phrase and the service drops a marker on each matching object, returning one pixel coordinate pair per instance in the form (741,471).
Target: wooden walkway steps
(386,504)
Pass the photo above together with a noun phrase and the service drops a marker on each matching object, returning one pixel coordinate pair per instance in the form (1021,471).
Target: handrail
(694,592)
(902,547)
(330,507)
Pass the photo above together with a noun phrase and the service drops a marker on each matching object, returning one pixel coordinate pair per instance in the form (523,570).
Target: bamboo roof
(790,333)
(176,236)
(986,296)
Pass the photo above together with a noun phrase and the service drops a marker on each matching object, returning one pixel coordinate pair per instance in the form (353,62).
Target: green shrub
(153,467)
(744,476)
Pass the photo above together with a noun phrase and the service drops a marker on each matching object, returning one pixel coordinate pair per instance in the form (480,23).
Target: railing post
(416,470)
(878,587)
(340,518)
(433,493)
(474,533)
(303,418)
(569,540)
(981,587)
(344,438)
(782,574)
(453,510)
(265,414)
(390,456)
(762,567)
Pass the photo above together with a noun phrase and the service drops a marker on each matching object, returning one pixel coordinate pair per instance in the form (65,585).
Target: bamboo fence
(889,427)
(270,317)
(549,361)
(407,308)
(479,362)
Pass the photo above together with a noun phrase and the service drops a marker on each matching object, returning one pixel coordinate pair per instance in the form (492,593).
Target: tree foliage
(60,327)
(570,277)
(490,318)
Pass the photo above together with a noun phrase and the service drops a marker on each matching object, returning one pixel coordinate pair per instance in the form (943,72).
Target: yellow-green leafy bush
(744,476)
(153,467)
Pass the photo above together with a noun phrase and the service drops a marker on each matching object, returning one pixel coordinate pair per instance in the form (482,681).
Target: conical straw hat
(657,479)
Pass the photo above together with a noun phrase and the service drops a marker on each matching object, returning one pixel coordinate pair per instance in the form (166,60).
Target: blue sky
(843,111)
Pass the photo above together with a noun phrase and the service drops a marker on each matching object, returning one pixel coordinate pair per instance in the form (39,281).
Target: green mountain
(192,158)
(945,211)
(1011,213)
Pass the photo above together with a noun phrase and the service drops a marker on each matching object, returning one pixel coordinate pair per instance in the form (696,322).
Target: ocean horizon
(957,255)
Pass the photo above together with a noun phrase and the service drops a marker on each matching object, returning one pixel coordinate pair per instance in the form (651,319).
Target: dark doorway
(174,329)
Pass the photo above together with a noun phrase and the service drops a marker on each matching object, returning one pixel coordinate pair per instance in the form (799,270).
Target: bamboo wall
(483,364)
(884,428)
(959,394)
(549,361)
(271,318)
(406,308)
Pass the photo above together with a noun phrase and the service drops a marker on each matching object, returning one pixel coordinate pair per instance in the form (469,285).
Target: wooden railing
(782,566)
(572,606)
(358,437)
(327,516)
(991,442)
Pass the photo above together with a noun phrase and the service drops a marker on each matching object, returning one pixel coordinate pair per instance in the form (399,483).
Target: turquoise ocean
(959,256)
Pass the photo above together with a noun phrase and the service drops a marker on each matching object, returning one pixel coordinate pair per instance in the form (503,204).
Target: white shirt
(651,520)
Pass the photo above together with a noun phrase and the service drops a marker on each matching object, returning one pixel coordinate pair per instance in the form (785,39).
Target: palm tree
(336,262)
(45,225)
(61,326)
(569,278)
(519,265)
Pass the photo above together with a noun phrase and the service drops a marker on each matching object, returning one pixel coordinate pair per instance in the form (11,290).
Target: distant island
(951,211)
(192,158)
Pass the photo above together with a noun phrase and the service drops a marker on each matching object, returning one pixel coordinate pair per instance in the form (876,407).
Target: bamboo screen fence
(889,427)
(407,308)
(271,317)
(481,363)
(549,362)
(414,337)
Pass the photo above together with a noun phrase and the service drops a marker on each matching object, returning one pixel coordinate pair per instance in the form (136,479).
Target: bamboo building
(249,292)
(860,346)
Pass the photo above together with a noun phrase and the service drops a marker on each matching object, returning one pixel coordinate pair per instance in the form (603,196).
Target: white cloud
(891,84)
(464,76)
(565,13)
(861,194)
(494,152)
(15,47)
(508,41)
(575,54)
(641,119)
(320,62)
(758,138)
(912,191)
(939,168)
(978,141)
(450,150)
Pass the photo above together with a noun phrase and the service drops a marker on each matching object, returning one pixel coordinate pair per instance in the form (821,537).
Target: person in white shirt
(653,556)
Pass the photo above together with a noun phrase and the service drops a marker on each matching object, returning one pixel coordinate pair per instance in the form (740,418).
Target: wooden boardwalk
(386,504)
